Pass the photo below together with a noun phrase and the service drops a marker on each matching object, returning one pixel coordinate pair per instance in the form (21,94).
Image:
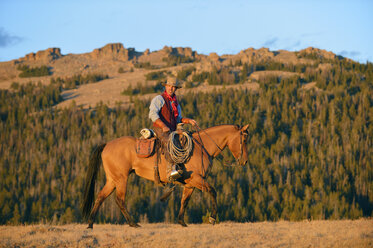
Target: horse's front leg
(204,186)
(187,192)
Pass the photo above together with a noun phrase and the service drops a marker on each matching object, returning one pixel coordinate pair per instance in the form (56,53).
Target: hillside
(310,138)
(126,66)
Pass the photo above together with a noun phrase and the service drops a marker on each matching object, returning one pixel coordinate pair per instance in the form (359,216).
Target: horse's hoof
(134,225)
(212,220)
(182,223)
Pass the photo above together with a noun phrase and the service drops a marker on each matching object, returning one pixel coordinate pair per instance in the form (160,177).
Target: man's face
(170,89)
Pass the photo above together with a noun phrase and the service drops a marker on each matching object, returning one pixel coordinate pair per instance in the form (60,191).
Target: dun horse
(119,160)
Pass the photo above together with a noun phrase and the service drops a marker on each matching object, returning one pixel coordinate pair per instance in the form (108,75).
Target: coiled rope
(179,154)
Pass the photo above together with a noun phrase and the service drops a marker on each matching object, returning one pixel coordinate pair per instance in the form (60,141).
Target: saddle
(177,151)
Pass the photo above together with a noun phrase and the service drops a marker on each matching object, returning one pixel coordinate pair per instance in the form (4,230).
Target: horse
(119,160)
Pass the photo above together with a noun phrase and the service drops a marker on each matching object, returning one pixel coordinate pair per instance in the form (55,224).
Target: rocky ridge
(47,55)
(112,57)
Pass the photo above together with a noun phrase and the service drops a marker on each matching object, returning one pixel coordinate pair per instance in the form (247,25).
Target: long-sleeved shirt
(156,105)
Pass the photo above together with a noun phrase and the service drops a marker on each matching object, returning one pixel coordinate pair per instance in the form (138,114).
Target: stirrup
(174,174)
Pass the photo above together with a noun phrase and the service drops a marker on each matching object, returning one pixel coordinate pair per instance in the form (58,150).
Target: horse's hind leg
(104,193)
(203,185)
(184,202)
(120,200)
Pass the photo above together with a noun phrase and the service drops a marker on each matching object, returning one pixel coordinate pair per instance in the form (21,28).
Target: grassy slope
(343,233)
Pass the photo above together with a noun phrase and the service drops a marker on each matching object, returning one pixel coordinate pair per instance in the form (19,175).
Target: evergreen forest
(310,150)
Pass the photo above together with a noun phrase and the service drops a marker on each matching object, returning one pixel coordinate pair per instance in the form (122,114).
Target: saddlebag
(145,147)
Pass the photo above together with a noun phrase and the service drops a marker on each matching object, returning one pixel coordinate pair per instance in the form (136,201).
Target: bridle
(241,146)
(242,137)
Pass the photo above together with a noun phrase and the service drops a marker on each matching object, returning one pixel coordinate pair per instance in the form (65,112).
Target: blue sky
(225,27)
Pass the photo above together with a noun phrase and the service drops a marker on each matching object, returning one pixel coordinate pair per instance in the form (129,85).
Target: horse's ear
(244,128)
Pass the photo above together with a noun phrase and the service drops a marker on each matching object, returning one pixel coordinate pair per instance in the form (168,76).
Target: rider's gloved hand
(189,121)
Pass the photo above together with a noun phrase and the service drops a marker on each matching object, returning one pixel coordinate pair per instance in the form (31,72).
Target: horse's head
(237,144)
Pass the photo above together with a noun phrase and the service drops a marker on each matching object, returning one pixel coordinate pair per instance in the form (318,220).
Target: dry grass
(344,233)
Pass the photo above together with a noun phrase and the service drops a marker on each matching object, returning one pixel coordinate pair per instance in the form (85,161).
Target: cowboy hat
(171,81)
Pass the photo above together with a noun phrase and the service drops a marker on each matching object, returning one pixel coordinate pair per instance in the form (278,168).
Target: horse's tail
(90,181)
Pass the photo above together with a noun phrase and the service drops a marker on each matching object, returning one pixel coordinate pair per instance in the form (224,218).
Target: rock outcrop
(180,51)
(115,51)
(47,55)
(166,53)
(312,52)
(249,55)
(214,57)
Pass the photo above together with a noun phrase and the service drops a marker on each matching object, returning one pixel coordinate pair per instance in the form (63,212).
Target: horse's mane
(217,126)
(201,131)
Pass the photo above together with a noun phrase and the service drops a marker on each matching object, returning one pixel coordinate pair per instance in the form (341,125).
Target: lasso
(177,154)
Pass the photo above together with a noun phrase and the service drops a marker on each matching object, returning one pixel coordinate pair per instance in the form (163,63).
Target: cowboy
(165,113)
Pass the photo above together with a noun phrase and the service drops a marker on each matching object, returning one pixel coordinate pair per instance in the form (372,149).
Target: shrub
(155,75)
(173,60)
(121,70)
(73,82)
(142,89)
(201,76)
(145,65)
(14,86)
(33,72)
(191,84)
(183,74)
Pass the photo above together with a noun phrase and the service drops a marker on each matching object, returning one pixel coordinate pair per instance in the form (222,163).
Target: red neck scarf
(174,103)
